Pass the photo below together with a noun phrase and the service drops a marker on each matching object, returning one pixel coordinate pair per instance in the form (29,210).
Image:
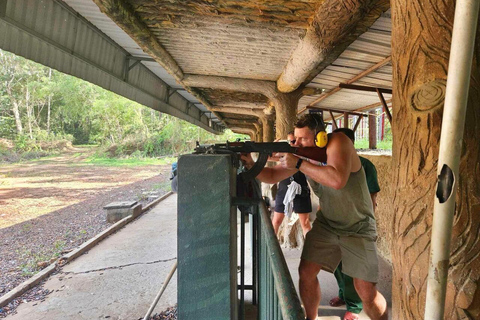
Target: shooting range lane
(128,284)
(120,277)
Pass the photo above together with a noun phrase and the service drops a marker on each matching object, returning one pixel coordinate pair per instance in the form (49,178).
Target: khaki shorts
(358,255)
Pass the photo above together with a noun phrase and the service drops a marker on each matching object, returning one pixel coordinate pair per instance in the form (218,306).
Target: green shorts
(358,255)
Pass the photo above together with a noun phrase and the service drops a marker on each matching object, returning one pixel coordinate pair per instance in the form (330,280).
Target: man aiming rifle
(345,228)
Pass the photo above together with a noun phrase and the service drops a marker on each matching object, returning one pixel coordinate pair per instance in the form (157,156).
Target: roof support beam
(267,88)
(364,88)
(385,107)
(285,104)
(354,79)
(242,104)
(337,23)
(121,13)
(353,113)
(242,122)
(357,123)
(250,132)
(124,16)
(334,122)
(372,106)
(252,112)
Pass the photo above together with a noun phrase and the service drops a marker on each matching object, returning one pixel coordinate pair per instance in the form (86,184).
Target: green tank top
(348,211)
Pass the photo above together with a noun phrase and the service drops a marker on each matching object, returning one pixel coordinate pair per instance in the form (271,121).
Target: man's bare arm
(340,155)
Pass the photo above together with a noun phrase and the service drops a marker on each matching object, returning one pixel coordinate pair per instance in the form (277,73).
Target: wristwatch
(299,163)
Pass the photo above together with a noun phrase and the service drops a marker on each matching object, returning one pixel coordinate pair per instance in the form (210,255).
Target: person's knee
(304,220)
(367,291)
(308,271)
(277,219)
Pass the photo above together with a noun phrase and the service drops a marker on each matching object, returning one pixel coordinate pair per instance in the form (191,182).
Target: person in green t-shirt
(346,290)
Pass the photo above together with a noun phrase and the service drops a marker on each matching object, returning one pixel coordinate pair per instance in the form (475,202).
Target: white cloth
(293,189)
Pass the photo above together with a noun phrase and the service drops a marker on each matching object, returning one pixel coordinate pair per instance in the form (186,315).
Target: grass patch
(166,185)
(86,146)
(13,156)
(30,266)
(382,145)
(129,162)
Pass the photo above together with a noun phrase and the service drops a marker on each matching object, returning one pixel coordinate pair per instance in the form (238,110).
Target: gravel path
(31,245)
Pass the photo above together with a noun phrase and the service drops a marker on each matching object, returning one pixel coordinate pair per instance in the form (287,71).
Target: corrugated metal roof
(90,11)
(52,33)
(239,39)
(370,48)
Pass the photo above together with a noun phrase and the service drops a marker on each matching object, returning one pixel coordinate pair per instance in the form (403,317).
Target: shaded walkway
(117,279)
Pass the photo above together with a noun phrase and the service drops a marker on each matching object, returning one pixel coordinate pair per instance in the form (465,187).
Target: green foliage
(386,144)
(7,127)
(31,260)
(40,107)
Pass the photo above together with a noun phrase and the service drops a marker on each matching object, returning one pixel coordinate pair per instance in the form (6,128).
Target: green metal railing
(278,298)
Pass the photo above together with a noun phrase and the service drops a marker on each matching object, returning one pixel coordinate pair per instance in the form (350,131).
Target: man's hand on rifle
(247,160)
(288,160)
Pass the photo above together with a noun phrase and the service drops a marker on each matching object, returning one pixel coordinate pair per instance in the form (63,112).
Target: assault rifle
(265,149)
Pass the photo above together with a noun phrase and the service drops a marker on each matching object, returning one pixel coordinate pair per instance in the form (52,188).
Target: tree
(10,77)
(421,38)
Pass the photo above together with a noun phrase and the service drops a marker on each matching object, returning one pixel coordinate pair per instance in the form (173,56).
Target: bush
(14,156)
(6,145)
(154,146)
(23,143)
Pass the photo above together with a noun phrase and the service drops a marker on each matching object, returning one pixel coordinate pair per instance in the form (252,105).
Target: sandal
(336,302)
(351,316)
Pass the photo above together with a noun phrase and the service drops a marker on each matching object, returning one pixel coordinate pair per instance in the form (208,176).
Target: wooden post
(334,122)
(345,118)
(372,130)
(382,134)
(385,106)
(359,120)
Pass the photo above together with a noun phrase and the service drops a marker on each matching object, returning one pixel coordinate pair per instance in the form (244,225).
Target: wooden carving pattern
(421,36)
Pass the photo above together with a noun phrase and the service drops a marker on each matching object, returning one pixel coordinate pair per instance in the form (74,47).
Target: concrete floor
(117,279)
(120,277)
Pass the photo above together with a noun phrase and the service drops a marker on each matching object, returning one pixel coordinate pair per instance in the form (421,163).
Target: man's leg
(350,296)
(277,220)
(309,287)
(340,299)
(374,303)
(305,222)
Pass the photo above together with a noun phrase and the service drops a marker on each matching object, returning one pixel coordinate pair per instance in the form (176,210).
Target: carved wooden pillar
(286,107)
(258,132)
(420,52)
(268,134)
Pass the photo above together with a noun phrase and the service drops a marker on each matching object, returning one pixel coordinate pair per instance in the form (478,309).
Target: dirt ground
(50,206)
